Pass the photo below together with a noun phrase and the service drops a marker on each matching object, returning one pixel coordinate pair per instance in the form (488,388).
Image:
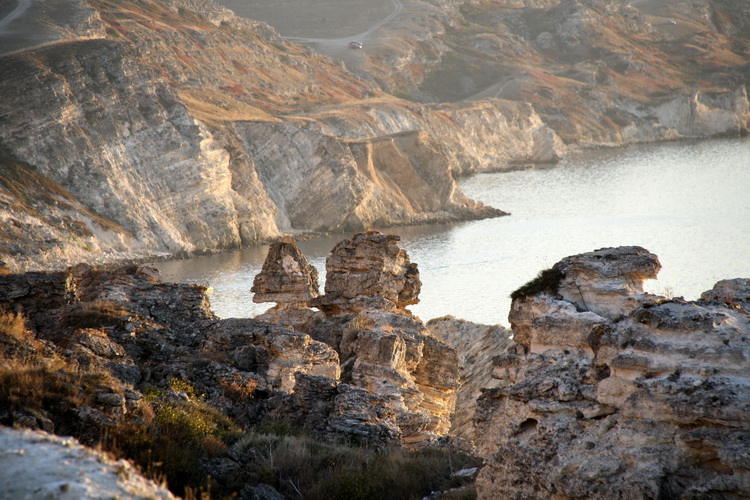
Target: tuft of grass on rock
(547,281)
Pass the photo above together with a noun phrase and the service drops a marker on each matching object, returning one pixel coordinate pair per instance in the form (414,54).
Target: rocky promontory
(153,128)
(611,392)
(600,389)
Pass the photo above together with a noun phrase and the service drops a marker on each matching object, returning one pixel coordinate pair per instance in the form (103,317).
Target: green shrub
(170,446)
(547,281)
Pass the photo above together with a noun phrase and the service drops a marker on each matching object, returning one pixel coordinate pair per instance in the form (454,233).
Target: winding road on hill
(20,9)
(332,45)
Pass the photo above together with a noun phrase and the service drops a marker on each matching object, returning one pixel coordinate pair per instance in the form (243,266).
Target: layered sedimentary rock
(596,71)
(609,392)
(337,411)
(476,345)
(129,324)
(179,139)
(383,349)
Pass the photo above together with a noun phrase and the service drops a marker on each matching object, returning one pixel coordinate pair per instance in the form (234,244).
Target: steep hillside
(597,71)
(193,130)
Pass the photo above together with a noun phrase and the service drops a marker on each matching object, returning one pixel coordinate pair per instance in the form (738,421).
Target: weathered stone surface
(34,464)
(648,402)
(736,292)
(272,351)
(476,345)
(128,323)
(608,281)
(369,270)
(382,347)
(286,278)
(338,412)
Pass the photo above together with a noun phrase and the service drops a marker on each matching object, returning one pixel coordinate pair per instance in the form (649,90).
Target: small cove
(687,202)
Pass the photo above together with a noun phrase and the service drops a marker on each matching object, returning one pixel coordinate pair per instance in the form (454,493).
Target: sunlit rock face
(291,282)
(476,345)
(40,465)
(383,348)
(369,270)
(650,400)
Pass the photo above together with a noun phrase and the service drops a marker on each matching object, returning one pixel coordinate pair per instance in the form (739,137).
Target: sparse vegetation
(547,281)
(303,467)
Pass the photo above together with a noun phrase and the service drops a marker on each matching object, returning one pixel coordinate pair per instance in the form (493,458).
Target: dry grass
(303,467)
(13,324)
(214,107)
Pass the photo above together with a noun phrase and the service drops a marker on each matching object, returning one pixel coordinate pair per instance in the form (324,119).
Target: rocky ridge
(599,72)
(611,392)
(382,381)
(204,134)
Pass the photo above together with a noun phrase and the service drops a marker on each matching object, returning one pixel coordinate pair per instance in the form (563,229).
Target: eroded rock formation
(612,393)
(383,349)
(127,323)
(288,280)
(476,345)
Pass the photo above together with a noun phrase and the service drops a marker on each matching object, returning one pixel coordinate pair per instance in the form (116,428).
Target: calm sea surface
(689,203)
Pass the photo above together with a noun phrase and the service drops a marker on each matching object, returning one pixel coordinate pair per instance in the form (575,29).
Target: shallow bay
(688,202)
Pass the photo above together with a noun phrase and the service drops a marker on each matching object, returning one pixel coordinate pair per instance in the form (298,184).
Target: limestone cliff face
(493,134)
(599,72)
(610,392)
(476,345)
(92,118)
(182,139)
(383,349)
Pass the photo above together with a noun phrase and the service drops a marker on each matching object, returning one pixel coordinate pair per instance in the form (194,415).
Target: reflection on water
(687,202)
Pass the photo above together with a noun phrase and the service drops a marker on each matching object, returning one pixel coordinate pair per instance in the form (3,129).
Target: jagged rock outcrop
(476,345)
(288,280)
(34,464)
(383,349)
(127,323)
(648,402)
(338,412)
(163,141)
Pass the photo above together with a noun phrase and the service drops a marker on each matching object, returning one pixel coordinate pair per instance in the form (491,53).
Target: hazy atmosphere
(374,249)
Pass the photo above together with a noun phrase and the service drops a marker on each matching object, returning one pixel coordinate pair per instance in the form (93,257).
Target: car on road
(355,45)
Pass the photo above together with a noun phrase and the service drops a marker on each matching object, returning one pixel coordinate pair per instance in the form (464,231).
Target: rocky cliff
(382,347)
(161,128)
(597,71)
(611,392)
